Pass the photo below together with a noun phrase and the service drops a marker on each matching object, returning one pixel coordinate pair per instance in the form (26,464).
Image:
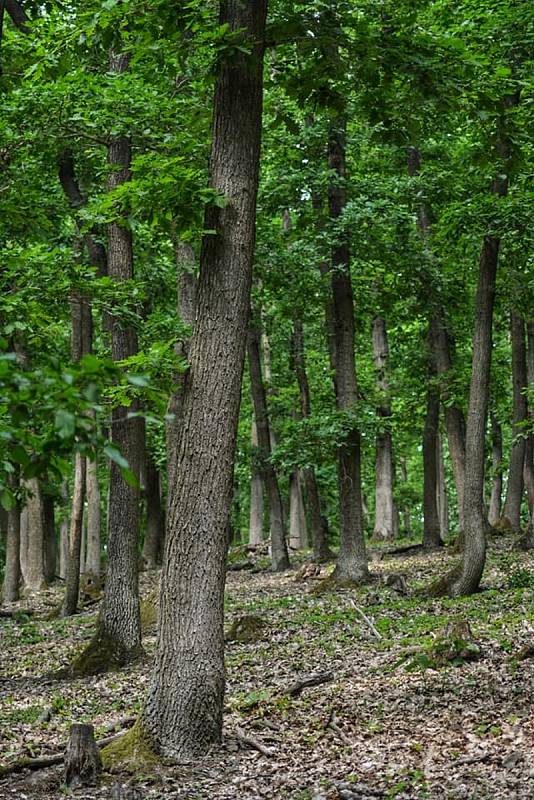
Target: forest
(267,399)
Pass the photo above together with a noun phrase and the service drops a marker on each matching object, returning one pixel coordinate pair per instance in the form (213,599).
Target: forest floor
(395,720)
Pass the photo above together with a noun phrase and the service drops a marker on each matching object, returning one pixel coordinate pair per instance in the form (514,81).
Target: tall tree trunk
(34,561)
(255,528)
(64,534)
(183,713)
(12,574)
(92,553)
(298,533)
(529,447)
(511,514)
(155,518)
(494,513)
(454,416)
(321,551)
(117,639)
(279,556)
(441,491)
(431,522)
(386,526)
(406,521)
(352,558)
(72,578)
(49,518)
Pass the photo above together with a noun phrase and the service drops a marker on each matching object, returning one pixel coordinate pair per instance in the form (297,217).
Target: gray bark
(72,577)
(92,553)
(511,513)
(255,528)
(12,574)
(494,513)
(298,533)
(386,525)
(34,561)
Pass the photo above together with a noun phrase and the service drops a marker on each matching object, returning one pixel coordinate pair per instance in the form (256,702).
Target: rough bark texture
(155,518)
(318,530)
(83,764)
(431,522)
(72,577)
(255,528)
(454,416)
(529,447)
(280,560)
(64,534)
(298,531)
(511,514)
(34,561)
(12,575)
(494,513)
(49,519)
(386,526)
(441,491)
(92,553)
(352,557)
(183,713)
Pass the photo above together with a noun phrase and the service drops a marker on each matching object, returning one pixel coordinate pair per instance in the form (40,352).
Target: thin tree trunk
(183,713)
(352,558)
(318,530)
(511,514)
(494,513)
(280,560)
(12,574)
(406,521)
(385,514)
(529,447)
(72,578)
(64,534)
(298,534)
(255,528)
(92,555)
(34,574)
(49,518)
(431,522)
(441,491)
(155,518)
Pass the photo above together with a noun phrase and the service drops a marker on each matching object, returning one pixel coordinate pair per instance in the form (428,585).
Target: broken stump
(83,764)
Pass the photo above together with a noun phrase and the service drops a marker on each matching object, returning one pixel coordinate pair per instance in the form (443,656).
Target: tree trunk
(529,447)
(280,560)
(64,534)
(11,586)
(255,528)
(406,521)
(352,558)
(321,551)
(298,534)
(494,513)
(441,491)
(34,574)
(72,578)
(92,553)
(431,523)
(183,713)
(385,514)
(511,514)
(83,764)
(50,537)
(155,518)
(454,416)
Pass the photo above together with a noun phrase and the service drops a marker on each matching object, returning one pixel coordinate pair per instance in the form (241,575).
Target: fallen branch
(316,679)
(251,741)
(57,758)
(332,724)
(465,760)
(376,633)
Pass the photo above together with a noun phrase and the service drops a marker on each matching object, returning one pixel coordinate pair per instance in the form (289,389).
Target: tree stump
(83,764)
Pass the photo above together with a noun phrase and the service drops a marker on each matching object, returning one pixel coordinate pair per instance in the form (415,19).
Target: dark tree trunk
(386,524)
(529,447)
(280,560)
(155,518)
(511,514)
(183,713)
(72,577)
(321,551)
(454,416)
(11,585)
(255,528)
(92,557)
(431,522)
(49,518)
(441,491)
(494,513)
(352,558)
(406,522)
(83,764)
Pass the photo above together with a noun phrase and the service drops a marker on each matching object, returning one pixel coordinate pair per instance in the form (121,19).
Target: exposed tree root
(102,654)
(132,752)
(442,586)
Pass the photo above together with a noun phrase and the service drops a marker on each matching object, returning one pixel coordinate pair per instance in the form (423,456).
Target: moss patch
(245,630)
(102,654)
(133,752)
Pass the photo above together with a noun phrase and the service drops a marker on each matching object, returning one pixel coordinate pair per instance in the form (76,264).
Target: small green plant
(521,578)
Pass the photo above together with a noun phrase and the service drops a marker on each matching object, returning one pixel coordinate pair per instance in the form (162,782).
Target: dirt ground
(392,721)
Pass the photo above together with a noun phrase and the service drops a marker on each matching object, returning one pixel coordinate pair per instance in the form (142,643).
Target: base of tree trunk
(334,582)
(103,654)
(526,541)
(459,544)
(83,764)
(445,585)
(132,753)
(323,556)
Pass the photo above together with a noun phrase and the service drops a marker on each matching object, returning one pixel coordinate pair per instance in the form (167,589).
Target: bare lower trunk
(352,558)
(318,530)
(494,513)
(406,521)
(49,518)
(255,528)
(183,713)
(385,526)
(529,447)
(431,530)
(298,534)
(64,533)
(72,578)
(12,575)
(279,554)
(155,518)
(441,492)
(92,553)
(34,573)
(511,514)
